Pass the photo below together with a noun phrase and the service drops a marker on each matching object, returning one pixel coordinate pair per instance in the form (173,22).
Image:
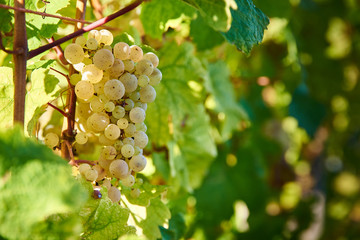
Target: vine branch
(90,27)
(24,10)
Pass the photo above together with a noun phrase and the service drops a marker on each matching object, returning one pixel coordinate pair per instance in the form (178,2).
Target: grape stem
(81,31)
(59,52)
(76,162)
(58,109)
(24,10)
(63,74)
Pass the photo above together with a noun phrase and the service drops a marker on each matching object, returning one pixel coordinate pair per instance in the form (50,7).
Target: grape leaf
(215,12)
(203,35)
(248,25)
(5,18)
(161,11)
(28,195)
(156,215)
(218,84)
(105,219)
(32,123)
(180,107)
(6,97)
(148,192)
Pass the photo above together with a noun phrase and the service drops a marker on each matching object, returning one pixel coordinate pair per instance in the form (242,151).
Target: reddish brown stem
(59,52)
(76,162)
(59,110)
(68,145)
(63,74)
(20,47)
(24,10)
(90,27)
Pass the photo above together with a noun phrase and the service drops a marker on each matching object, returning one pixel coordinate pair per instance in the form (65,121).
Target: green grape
(83,110)
(137,150)
(130,130)
(128,181)
(81,40)
(118,145)
(129,65)
(81,138)
(114,194)
(92,73)
(137,163)
(130,82)
(152,58)
(127,150)
(96,105)
(40,4)
(98,121)
(99,87)
(117,68)
(84,168)
(112,132)
(51,140)
(128,140)
(119,168)
(129,104)
(135,193)
(94,34)
(114,89)
(141,127)
(122,51)
(103,98)
(75,78)
(103,140)
(101,172)
(140,139)
(147,94)
(136,53)
(91,175)
(74,53)
(141,105)
(134,96)
(106,183)
(137,115)
(103,59)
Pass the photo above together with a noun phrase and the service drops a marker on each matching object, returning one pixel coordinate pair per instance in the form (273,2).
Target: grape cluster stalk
(113,87)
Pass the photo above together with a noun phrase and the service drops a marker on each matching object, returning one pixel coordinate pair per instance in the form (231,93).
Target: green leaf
(5,18)
(33,121)
(148,192)
(156,15)
(156,215)
(203,35)
(215,12)
(180,106)
(248,25)
(124,37)
(104,219)
(32,65)
(6,97)
(28,194)
(222,94)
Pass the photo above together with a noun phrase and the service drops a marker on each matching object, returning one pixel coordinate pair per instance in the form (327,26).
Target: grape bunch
(113,87)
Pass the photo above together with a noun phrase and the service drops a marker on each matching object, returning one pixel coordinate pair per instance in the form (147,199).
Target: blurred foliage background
(263,145)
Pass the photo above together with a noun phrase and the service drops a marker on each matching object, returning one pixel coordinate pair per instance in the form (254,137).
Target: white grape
(140,139)
(101,172)
(141,105)
(135,193)
(141,127)
(92,44)
(147,94)
(84,90)
(92,73)
(136,53)
(155,77)
(75,78)
(137,163)
(84,168)
(152,58)
(104,163)
(109,152)
(114,194)
(51,140)
(91,175)
(129,65)
(119,168)
(118,145)
(103,98)
(99,87)
(137,115)
(107,183)
(122,123)
(130,130)
(117,68)
(144,67)
(98,121)
(81,40)
(94,34)
(83,110)
(114,89)
(96,105)
(128,140)
(103,59)
(106,37)
(127,150)
(134,96)
(130,82)
(103,140)
(128,181)
(79,66)
(122,51)
(118,112)
(112,132)
(143,80)
(81,138)
(129,104)
(109,106)
(74,53)
(138,150)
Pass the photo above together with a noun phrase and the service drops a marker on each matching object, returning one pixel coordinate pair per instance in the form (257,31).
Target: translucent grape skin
(140,139)
(81,138)
(147,94)
(51,140)
(112,132)
(84,90)
(74,53)
(137,115)
(92,73)
(136,53)
(127,151)
(122,51)
(137,163)
(103,59)
(114,194)
(129,181)
(114,89)
(119,168)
